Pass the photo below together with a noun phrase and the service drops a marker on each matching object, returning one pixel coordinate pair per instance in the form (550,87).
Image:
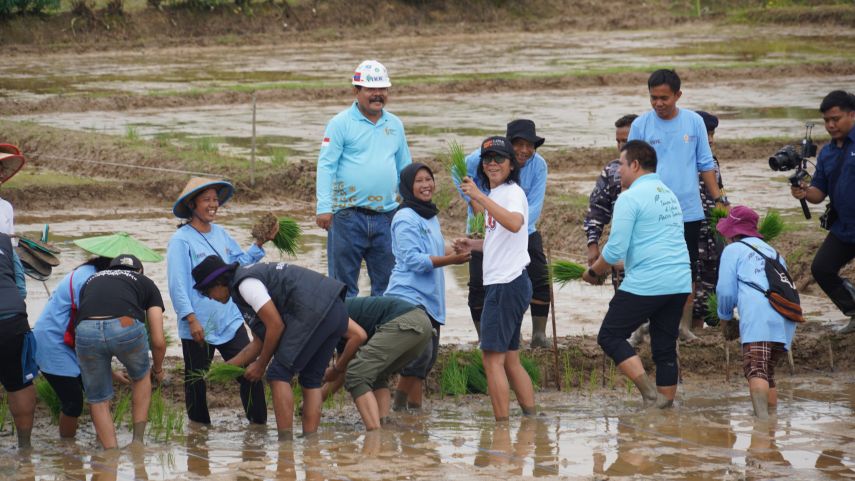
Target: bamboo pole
(554,328)
(252,152)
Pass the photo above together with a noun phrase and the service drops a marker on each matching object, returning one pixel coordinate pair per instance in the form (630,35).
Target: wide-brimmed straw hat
(11,161)
(196,185)
(209,270)
(740,220)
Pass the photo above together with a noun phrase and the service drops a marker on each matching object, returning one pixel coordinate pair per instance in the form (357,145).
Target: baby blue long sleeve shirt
(414,278)
(187,248)
(758,322)
(647,234)
(682,151)
(53,356)
(360,162)
(532,180)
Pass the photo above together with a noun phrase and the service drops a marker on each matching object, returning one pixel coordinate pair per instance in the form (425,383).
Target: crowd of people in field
(663,253)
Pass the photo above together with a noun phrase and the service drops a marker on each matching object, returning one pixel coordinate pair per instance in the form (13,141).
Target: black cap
(524,129)
(209,270)
(497,145)
(710,120)
(126,261)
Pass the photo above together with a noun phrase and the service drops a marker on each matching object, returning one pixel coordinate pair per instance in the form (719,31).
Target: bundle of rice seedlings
(771,226)
(47,395)
(164,419)
(476,378)
(4,411)
(562,272)
(219,372)
(456,162)
(476,225)
(712,310)
(531,367)
(288,237)
(452,381)
(716,214)
(121,409)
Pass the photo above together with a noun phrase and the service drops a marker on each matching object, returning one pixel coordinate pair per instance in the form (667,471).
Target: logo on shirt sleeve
(325,142)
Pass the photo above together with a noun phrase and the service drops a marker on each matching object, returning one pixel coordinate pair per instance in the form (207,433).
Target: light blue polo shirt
(647,234)
(532,180)
(682,150)
(360,162)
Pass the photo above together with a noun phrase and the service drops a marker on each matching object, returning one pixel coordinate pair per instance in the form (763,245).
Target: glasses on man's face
(498,159)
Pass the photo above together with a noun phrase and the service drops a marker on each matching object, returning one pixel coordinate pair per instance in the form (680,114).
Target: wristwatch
(722,199)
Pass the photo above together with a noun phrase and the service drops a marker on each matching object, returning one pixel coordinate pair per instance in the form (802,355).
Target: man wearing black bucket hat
(533,172)
(298,317)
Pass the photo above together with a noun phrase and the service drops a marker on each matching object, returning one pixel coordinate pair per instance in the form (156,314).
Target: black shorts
(69,390)
(692,233)
(14,331)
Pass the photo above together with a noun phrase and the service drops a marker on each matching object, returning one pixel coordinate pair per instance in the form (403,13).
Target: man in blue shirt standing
(680,139)
(647,234)
(835,178)
(533,170)
(362,154)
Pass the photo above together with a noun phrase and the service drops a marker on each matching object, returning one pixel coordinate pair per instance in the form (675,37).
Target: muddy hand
(121,378)
(254,371)
(462,246)
(330,375)
(196,331)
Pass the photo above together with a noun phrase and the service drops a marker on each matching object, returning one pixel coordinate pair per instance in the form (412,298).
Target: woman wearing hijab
(205,325)
(417,277)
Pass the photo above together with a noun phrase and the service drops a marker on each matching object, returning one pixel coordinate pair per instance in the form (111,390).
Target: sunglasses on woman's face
(493,158)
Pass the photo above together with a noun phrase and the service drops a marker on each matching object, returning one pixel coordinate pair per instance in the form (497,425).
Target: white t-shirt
(505,252)
(254,293)
(7,216)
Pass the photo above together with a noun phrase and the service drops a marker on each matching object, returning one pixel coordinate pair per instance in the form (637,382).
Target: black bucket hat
(710,120)
(209,270)
(524,129)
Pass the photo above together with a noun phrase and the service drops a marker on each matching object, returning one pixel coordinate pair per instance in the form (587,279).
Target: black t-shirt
(117,292)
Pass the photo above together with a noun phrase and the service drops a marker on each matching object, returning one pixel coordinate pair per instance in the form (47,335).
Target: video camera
(788,158)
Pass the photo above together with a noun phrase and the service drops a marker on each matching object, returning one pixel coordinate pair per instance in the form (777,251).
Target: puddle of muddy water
(709,435)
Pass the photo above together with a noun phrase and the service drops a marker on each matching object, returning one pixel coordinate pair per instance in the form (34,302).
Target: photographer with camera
(835,178)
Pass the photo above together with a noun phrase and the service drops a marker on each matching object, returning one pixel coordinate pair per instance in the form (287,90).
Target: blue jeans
(98,341)
(356,235)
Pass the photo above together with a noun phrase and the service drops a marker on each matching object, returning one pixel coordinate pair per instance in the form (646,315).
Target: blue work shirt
(682,151)
(532,181)
(414,278)
(647,234)
(360,162)
(187,248)
(843,195)
(758,321)
(53,356)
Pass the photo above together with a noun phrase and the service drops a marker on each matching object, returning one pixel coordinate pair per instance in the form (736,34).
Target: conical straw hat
(196,185)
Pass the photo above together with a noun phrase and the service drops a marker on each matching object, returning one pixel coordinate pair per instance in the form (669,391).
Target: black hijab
(405,188)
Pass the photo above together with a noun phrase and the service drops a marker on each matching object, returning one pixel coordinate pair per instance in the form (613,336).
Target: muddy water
(154,228)
(709,435)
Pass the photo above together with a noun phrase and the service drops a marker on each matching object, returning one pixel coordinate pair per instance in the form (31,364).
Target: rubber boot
(760,401)
(477,329)
(538,332)
(399,401)
(686,334)
(848,328)
(637,337)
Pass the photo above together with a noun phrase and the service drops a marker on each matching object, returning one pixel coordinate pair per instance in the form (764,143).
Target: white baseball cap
(371,74)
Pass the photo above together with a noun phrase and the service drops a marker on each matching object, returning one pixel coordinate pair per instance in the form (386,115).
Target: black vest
(302,296)
(11,303)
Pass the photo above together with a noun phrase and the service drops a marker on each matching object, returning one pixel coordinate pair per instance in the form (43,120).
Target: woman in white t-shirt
(508,288)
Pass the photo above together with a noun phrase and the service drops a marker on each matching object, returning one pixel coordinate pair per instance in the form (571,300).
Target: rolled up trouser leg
(832,255)
(664,330)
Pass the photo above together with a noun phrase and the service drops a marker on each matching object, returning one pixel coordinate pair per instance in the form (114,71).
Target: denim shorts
(96,344)
(504,308)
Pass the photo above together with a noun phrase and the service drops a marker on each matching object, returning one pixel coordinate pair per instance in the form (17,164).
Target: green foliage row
(8,7)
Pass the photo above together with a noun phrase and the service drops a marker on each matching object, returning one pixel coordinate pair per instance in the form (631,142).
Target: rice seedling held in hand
(288,237)
(562,272)
(456,162)
(47,395)
(716,214)
(771,226)
(219,372)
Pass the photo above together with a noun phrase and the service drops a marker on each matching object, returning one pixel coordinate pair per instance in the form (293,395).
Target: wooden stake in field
(252,151)
(726,361)
(554,328)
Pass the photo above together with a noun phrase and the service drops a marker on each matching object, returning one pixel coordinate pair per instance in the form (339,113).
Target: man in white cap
(362,154)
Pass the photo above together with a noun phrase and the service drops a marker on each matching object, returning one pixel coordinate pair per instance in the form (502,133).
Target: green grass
(206,145)
(48,396)
(131,133)
(28,177)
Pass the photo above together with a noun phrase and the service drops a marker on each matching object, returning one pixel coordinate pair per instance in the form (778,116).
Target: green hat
(194,186)
(114,245)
